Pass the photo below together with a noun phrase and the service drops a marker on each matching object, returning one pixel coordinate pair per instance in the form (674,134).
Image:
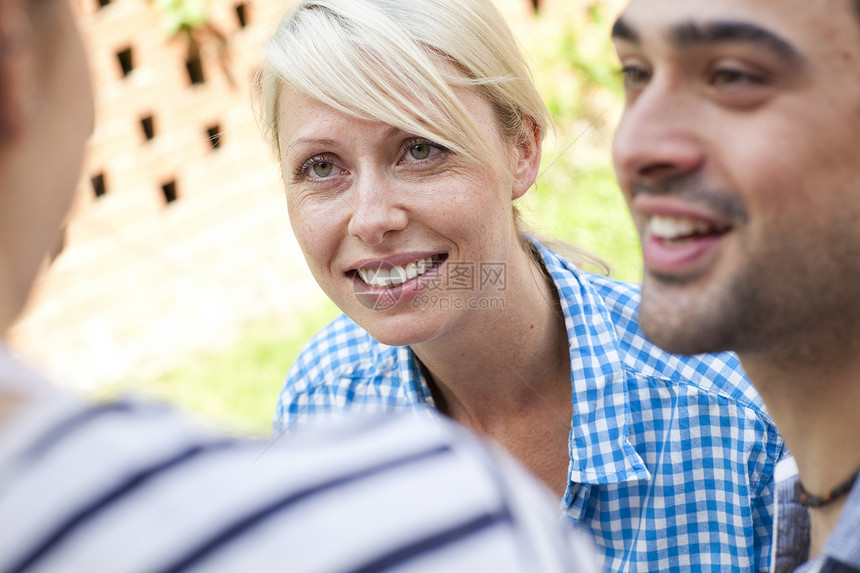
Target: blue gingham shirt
(671,457)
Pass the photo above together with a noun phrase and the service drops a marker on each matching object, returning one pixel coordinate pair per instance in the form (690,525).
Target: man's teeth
(396,276)
(675,228)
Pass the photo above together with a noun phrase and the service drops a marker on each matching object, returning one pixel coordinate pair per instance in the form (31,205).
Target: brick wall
(173,242)
(185,241)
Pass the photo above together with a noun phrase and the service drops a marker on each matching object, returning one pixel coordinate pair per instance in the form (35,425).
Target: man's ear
(17,68)
(528,158)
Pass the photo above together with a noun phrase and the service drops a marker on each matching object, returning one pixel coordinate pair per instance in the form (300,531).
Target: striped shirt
(133,487)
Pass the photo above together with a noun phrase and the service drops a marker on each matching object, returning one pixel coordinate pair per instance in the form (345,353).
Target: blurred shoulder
(81,498)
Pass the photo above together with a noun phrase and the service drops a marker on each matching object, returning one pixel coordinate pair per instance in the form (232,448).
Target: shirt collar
(412,371)
(600,451)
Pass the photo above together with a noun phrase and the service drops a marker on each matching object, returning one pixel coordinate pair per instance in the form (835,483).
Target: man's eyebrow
(622,31)
(691,33)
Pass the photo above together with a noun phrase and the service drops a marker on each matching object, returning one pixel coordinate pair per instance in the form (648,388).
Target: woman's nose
(376,210)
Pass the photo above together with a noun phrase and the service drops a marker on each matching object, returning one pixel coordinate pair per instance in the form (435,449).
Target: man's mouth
(678,231)
(384,275)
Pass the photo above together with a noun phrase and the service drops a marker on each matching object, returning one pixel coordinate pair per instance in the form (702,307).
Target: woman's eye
(420,151)
(322,169)
(317,168)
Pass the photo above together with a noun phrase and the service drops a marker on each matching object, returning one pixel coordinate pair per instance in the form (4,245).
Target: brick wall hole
(98,183)
(242,14)
(169,191)
(126,61)
(194,68)
(147,125)
(215,136)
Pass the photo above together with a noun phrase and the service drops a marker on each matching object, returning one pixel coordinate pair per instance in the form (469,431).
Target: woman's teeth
(396,276)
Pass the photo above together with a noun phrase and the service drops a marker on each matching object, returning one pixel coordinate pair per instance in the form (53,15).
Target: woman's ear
(17,58)
(528,158)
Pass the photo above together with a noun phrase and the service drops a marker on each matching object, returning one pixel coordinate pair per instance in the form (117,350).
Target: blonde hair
(380,60)
(398,62)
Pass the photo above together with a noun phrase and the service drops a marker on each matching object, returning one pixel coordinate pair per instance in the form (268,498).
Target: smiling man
(739,155)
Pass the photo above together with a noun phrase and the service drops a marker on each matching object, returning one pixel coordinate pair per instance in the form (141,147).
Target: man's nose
(658,136)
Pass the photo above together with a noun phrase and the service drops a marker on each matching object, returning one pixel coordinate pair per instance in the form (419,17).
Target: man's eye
(634,75)
(730,77)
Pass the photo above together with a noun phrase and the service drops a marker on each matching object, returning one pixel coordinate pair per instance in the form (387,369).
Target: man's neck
(822,522)
(814,406)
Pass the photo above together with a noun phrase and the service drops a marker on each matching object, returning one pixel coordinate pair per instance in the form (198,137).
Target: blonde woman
(406,130)
(132,487)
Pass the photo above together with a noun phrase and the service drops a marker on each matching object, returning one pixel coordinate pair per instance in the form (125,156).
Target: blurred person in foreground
(405,131)
(739,154)
(132,487)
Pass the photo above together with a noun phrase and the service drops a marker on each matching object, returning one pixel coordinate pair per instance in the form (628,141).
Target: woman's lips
(382,274)
(381,285)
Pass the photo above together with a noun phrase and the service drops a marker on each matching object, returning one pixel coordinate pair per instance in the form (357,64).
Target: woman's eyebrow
(391,133)
(310,141)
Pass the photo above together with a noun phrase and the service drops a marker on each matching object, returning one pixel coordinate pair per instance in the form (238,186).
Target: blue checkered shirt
(671,457)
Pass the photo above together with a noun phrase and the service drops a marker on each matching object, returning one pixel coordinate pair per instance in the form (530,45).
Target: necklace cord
(806,499)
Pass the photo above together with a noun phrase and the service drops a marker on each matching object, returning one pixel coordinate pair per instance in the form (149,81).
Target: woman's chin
(395,330)
(396,316)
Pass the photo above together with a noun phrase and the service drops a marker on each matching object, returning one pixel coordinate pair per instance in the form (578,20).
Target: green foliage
(236,387)
(576,198)
(182,15)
